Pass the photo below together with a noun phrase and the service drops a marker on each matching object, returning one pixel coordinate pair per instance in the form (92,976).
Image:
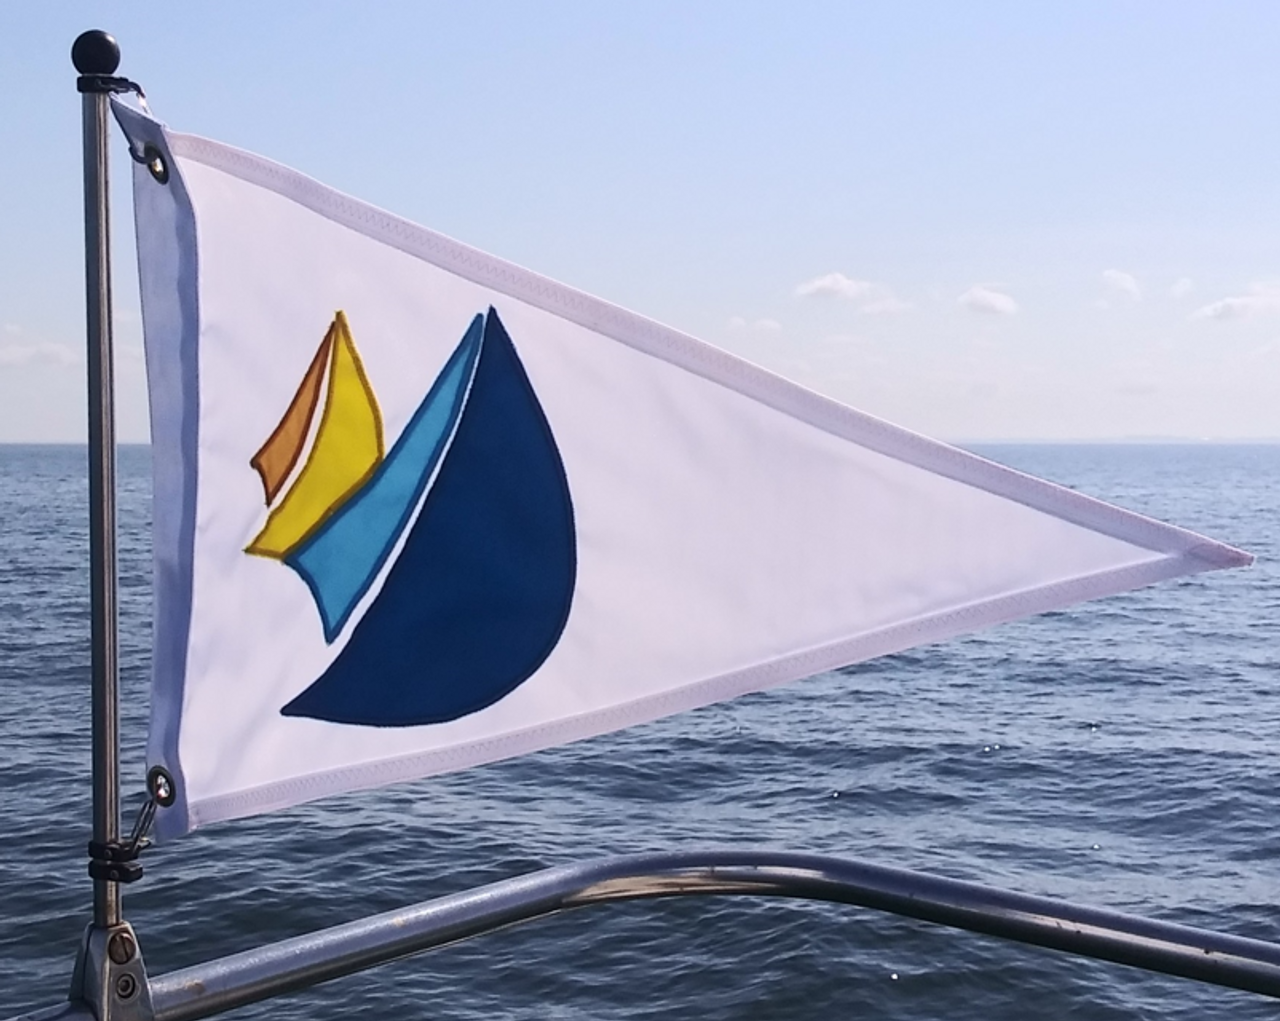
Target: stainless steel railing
(293,964)
(1092,932)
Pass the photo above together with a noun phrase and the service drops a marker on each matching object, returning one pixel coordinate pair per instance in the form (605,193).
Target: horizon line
(1154,441)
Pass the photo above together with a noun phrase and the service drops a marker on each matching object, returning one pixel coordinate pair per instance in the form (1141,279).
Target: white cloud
(871,298)
(1122,283)
(835,285)
(1181,287)
(1227,308)
(738,323)
(1262,299)
(13,329)
(35,354)
(985,299)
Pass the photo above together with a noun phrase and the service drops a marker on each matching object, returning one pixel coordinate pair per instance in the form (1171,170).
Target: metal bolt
(120,948)
(126,987)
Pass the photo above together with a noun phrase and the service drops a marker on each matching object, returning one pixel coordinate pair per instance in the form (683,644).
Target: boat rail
(297,963)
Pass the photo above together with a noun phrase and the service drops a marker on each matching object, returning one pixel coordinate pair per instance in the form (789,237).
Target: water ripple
(1123,753)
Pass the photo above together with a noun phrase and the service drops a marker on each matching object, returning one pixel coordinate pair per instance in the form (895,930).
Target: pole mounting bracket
(110,977)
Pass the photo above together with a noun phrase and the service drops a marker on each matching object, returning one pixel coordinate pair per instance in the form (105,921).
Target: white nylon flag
(418,509)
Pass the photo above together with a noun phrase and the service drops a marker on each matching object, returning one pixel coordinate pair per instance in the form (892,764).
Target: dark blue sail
(340,561)
(480,593)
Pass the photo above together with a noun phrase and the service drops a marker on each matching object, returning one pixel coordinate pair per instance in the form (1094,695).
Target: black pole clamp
(107,83)
(114,862)
(118,862)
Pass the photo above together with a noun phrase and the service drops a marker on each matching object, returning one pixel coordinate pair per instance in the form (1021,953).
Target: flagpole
(96,56)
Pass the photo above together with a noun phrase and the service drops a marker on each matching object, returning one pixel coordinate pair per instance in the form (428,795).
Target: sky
(981,221)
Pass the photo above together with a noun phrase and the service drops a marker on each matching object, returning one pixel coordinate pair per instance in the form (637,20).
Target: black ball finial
(95,52)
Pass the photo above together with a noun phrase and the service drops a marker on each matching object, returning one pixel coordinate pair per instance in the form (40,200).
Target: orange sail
(280,453)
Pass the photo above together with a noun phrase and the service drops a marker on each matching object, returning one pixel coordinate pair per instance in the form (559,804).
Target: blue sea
(1125,753)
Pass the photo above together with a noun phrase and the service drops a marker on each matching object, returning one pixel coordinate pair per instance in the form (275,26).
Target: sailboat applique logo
(475,589)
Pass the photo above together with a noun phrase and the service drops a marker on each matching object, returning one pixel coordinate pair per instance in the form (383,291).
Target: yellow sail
(348,446)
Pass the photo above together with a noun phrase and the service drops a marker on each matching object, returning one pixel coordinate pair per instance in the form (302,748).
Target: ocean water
(1125,753)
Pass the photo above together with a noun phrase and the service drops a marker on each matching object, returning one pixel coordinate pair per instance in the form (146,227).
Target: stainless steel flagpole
(96,56)
(110,977)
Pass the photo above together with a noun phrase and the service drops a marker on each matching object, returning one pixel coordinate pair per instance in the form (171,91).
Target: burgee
(418,509)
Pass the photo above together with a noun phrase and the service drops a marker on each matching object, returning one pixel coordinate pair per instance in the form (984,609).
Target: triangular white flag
(418,509)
